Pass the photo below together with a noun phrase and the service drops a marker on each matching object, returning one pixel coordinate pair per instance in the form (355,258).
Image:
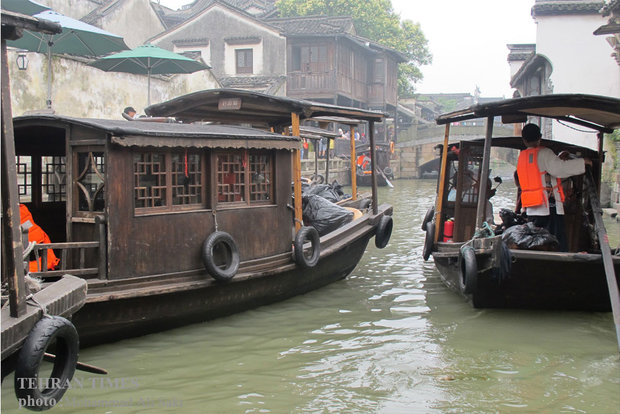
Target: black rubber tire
(49,330)
(384,231)
(220,256)
(365,203)
(469,270)
(428,217)
(301,258)
(388,173)
(429,240)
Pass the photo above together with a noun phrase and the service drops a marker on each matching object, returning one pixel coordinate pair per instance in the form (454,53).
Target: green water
(388,339)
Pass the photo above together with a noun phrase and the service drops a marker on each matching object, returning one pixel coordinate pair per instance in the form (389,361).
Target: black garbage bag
(332,192)
(324,215)
(529,237)
(509,219)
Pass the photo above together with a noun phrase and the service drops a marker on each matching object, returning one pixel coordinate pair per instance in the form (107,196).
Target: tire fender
(49,330)
(428,217)
(220,256)
(301,258)
(429,240)
(469,270)
(384,231)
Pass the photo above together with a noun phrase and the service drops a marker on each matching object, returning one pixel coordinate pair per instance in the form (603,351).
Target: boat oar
(80,365)
(608,264)
(385,178)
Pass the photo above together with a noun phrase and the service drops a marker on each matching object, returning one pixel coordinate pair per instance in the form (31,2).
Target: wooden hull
(365,180)
(537,280)
(136,307)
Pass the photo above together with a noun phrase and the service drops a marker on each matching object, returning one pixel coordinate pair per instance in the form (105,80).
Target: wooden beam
(12,247)
(442,181)
(373,160)
(353,165)
(297,174)
(484,175)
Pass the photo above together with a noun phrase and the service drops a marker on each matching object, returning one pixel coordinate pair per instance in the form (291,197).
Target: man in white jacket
(540,171)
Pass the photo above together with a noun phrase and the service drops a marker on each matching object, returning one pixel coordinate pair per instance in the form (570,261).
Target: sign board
(229,104)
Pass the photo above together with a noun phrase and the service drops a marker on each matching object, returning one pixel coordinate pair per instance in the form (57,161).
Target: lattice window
(24,178)
(53,178)
(471,174)
(149,179)
(90,180)
(261,177)
(186,179)
(231,177)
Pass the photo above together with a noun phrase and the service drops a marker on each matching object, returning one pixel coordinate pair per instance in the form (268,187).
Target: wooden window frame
(169,205)
(246,69)
(247,194)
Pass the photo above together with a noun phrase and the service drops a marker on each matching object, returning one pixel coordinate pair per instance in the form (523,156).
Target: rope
(37,303)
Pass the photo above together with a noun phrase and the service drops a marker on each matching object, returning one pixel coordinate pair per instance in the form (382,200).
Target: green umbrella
(23,6)
(77,38)
(149,60)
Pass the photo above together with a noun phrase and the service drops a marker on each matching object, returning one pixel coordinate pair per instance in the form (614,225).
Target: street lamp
(22,61)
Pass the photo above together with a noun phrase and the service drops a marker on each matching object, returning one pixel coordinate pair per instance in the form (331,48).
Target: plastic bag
(324,215)
(332,192)
(529,237)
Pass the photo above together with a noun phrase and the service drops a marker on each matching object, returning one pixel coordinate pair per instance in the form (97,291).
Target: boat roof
(241,106)
(517,143)
(159,134)
(601,113)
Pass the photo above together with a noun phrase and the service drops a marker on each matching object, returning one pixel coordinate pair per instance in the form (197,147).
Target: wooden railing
(40,251)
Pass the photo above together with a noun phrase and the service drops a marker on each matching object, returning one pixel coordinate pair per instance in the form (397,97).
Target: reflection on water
(389,339)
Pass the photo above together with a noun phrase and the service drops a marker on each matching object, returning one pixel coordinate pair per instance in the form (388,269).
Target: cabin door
(42,177)
(467,187)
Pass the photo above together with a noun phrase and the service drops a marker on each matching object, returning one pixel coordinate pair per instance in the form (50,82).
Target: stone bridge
(417,144)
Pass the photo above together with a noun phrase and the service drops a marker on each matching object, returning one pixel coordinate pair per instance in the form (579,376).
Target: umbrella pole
(49,75)
(148,70)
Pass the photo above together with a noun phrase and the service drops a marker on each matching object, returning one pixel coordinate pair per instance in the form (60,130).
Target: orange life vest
(36,234)
(531,179)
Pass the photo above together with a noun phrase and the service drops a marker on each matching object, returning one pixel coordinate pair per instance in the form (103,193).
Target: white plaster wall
(83,91)
(134,20)
(581,63)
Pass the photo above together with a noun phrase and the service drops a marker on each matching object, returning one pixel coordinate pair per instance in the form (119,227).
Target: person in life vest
(539,171)
(36,234)
(363,162)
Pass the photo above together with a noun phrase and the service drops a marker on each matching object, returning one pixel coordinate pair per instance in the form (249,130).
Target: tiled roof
(559,7)
(314,24)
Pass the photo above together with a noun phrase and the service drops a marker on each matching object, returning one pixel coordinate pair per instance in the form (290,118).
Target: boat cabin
(463,179)
(138,198)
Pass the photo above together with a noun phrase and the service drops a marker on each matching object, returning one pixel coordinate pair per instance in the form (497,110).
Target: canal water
(388,339)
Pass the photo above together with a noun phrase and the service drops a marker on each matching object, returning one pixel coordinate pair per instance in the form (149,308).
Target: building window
(245,175)
(309,58)
(243,59)
(168,181)
(379,72)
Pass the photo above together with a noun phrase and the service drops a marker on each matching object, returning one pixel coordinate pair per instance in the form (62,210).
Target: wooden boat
(477,264)
(33,318)
(185,222)
(364,166)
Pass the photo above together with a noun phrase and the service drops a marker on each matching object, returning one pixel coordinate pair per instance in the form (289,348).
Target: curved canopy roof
(156,134)
(601,113)
(247,107)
